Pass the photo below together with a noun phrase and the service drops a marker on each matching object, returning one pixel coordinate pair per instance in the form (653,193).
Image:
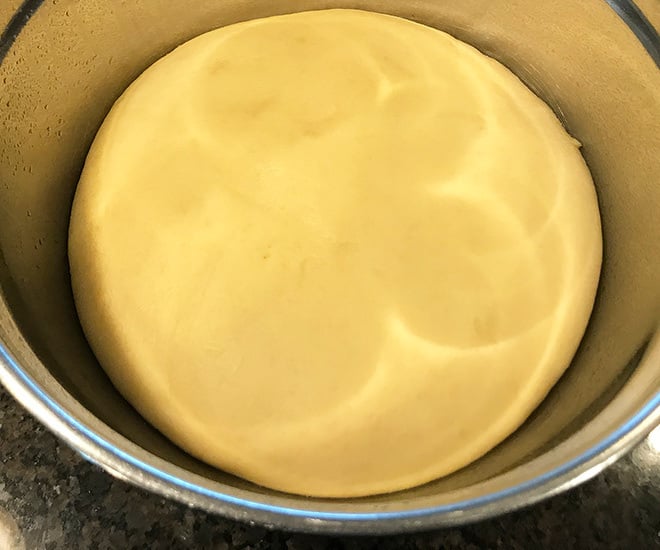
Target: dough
(336,253)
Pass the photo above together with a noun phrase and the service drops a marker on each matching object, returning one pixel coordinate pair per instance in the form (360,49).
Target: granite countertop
(50,498)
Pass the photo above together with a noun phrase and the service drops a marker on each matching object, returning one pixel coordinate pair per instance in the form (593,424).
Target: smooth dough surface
(336,253)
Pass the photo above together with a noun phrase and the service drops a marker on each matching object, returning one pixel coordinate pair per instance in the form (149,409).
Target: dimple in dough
(336,253)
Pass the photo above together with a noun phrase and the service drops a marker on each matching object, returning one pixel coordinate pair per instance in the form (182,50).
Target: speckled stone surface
(50,498)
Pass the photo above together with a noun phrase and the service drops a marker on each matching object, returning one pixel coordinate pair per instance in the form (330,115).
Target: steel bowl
(64,62)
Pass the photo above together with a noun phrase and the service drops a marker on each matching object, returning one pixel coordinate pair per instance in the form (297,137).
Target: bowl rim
(147,473)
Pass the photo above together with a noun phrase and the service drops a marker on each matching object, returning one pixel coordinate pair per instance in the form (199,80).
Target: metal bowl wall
(62,65)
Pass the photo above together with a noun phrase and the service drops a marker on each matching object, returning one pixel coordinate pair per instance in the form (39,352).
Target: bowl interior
(63,70)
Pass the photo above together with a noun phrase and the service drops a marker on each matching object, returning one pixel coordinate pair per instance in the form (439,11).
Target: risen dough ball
(336,253)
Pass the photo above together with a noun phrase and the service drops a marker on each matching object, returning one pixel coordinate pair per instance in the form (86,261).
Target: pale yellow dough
(336,253)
